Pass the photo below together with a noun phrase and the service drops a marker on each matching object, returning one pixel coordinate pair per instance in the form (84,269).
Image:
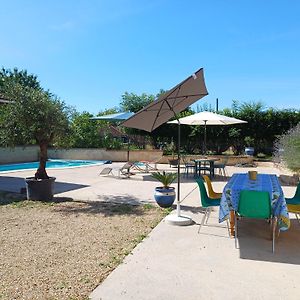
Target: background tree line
(264,125)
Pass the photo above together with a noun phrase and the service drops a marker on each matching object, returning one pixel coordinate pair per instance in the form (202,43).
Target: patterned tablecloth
(264,182)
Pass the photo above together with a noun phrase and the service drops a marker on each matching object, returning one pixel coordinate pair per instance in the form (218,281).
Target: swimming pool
(51,163)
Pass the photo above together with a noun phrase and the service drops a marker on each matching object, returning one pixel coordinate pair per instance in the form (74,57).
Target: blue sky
(90,52)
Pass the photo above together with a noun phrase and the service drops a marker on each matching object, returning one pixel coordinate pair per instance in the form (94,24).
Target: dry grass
(63,250)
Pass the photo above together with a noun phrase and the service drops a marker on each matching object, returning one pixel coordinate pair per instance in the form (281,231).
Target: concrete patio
(177,262)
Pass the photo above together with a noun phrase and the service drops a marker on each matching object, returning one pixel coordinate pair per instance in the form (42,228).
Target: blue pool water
(51,163)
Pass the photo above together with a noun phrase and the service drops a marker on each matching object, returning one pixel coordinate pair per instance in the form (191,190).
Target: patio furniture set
(245,196)
(205,165)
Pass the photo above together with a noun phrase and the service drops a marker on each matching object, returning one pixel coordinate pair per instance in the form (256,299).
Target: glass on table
(252,175)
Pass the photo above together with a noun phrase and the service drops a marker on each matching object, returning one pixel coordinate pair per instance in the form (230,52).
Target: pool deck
(176,262)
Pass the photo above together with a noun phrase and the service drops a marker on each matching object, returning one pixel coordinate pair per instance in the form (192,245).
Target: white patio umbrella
(207,118)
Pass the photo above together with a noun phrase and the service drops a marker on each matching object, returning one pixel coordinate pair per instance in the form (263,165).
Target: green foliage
(18,77)
(167,134)
(249,141)
(287,147)
(165,178)
(133,102)
(87,133)
(108,111)
(84,132)
(35,116)
(263,126)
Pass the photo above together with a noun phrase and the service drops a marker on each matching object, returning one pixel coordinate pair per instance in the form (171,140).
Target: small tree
(287,148)
(84,131)
(133,102)
(35,116)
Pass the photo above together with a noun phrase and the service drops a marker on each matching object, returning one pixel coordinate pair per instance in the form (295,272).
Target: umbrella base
(181,220)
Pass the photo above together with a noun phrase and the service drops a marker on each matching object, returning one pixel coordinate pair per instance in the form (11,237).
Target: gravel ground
(63,250)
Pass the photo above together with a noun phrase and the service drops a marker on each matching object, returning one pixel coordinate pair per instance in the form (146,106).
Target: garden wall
(231,159)
(19,154)
(102,154)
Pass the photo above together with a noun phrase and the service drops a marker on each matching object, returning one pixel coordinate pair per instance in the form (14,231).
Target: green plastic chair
(255,205)
(206,202)
(296,199)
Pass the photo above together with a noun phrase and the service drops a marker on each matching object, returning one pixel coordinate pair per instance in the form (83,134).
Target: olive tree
(35,116)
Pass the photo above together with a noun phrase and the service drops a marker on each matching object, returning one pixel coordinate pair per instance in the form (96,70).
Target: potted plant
(249,150)
(164,195)
(35,117)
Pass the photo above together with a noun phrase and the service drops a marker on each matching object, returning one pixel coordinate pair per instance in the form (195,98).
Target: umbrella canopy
(207,118)
(163,109)
(169,104)
(121,116)
(118,117)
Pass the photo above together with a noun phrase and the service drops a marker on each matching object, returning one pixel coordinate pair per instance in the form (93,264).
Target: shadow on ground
(191,178)
(15,184)
(61,187)
(122,199)
(102,208)
(254,239)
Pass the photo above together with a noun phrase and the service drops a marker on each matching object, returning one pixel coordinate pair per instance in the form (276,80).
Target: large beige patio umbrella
(207,118)
(162,110)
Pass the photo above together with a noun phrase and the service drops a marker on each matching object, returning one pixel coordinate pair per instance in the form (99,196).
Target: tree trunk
(41,171)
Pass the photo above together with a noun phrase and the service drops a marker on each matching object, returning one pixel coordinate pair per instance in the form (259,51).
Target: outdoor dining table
(202,164)
(264,182)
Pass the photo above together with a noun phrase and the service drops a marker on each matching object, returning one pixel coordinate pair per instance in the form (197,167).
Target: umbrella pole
(178,219)
(128,147)
(178,172)
(205,137)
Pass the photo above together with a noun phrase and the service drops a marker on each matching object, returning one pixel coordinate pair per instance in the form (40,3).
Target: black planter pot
(41,189)
(165,196)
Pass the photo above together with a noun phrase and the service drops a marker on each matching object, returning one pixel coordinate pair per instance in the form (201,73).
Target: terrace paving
(178,263)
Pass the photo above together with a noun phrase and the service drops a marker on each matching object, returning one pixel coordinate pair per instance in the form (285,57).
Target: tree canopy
(35,116)
(133,102)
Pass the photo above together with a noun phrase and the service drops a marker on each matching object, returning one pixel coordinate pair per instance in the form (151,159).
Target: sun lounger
(144,166)
(106,171)
(125,170)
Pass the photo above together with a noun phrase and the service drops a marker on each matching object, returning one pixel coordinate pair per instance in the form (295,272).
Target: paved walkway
(177,262)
